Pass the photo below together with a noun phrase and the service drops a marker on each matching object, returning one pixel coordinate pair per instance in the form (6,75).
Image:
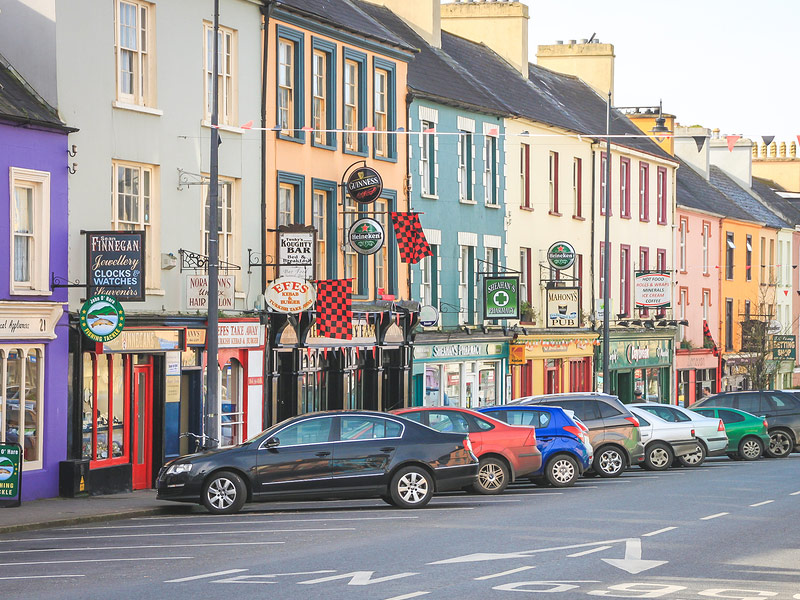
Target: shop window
(21,402)
(452,385)
(231,405)
(552,376)
(580,375)
(487,384)
(684,399)
(106,427)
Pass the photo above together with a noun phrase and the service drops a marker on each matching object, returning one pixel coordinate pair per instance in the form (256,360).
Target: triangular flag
(248,125)
(370,128)
(767,139)
(785,292)
(700,140)
(429,130)
(399,129)
(494,132)
(306,128)
(798,139)
(732,139)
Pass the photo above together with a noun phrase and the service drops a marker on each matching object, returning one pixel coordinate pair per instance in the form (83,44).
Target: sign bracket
(57,282)
(501,268)
(199,262)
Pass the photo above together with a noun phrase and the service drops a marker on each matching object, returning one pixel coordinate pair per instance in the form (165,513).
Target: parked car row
(406,456)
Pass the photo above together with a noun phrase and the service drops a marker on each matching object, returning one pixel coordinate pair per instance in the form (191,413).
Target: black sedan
(330,454)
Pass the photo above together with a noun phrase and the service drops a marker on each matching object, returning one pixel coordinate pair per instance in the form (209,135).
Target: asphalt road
(724,530)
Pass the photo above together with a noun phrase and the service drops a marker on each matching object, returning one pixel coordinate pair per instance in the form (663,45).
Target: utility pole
(607,256)
(212,349)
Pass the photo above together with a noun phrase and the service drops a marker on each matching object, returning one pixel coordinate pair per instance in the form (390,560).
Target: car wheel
(751,448)
(493,477)
(694,459)
(224,493)
(609,462)
(562,471)
(780,444)
(658,457)
(411,487)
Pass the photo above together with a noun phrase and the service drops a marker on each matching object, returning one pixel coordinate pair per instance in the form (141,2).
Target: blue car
(565,456)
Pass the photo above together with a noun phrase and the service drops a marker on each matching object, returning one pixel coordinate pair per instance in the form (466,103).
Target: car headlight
(181,468)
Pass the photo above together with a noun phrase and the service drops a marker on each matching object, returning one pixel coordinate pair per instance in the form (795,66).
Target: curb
(116,516)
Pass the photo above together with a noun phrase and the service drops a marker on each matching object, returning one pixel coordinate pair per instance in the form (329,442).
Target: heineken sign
(501,298)
(10,462)
(102,318)
(561,255)
(367,236)
(364,185)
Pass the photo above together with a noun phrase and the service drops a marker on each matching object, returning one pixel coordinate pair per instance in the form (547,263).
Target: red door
(142,431)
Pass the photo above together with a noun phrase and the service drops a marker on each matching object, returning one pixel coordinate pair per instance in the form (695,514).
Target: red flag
(410,238)
(334,308)
(732,139)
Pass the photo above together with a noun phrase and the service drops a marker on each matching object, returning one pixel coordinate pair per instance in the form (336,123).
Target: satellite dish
(428,316)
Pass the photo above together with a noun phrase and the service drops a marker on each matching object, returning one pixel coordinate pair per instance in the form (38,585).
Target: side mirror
(272,443)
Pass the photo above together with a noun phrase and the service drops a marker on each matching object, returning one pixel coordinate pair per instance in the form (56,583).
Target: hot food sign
(364,185)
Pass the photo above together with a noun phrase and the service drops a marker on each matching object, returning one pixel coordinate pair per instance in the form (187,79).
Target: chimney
(738,163)
(502,26)
(421,15)
(591,61)
(686,148)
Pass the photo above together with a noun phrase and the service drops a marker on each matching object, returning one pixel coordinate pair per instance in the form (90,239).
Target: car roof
(400,411)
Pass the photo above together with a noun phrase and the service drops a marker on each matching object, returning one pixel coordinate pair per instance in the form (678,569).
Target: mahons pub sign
(501,298)
(115,264)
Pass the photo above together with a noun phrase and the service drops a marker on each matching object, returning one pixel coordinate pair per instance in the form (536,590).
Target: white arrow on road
(486,556)
(633,563)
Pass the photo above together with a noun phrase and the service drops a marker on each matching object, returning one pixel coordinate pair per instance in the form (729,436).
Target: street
(724,530)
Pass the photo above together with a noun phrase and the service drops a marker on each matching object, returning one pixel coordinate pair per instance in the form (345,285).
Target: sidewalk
(61,512)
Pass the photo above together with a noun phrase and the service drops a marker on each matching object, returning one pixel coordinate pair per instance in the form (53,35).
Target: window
(683,228)
(661,265)
(577,188)
(779,280)
(285,204)
(661,191)
(231,407)
(465,285)
(355,101)
(728,324)
(319,218)
(290,109)
(226,215)
(580,375)
(448,421)
(625,280)
(351,258)
(106,405)
(429,288)
(748,260)
(135,57)
(490,260)
(625,188)
(525,290)
(603,269)
(706,236)
(226,74)
(771,263)
(427,159)
(749,403)
(384,113)
(319,95)
(465,167)
(644,191)
(553,182)
(291,199)
(747,310)
(382,256)
(312,431)
(135,207)
(644,265)
(604,175)
(683,301)
(490,177)
(354,429)
(730,246)
(706,304)
(381,111)
(728,417)
(525,175)
(21,401)
(30,235)
(764,261)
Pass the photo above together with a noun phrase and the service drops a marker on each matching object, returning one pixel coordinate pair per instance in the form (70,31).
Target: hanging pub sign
(561,255)
(367,236)
(197,292)
(501,298)
(115,264)
(784,347)
(10,474)
(653,289)
(290,295)
(364,185)
(296,244)
(102,318)
(563,307)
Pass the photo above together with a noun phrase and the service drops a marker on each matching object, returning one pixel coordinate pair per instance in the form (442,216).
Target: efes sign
(364,185)
(290,295)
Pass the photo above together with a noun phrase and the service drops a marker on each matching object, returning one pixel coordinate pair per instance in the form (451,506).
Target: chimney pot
(572,42)
(793,150)
(773,150)
(783,149)
(584,40)
(559,42)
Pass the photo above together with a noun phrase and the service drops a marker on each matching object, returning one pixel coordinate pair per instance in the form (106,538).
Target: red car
(506,452)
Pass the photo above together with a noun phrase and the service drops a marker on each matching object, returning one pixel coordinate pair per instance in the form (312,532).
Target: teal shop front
(639,362)
(468,371)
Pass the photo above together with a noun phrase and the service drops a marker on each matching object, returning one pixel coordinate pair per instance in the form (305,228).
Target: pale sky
(732,64)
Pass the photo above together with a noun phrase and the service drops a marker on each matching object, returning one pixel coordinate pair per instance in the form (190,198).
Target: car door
(364,450)
(735,425)
(296,458)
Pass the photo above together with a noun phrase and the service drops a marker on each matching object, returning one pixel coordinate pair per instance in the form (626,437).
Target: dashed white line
(149,547)
(408,596)
(762,503)
(504,573)
(41,576)
(657,531)
(709,517)
(231,532)
(207,524)
(795,494)
(206,576)
(94,560)
(590,551)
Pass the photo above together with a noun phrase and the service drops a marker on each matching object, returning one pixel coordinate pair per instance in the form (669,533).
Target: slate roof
(739,195)
(787,209)
(345,14)
(693,191)
(20,103)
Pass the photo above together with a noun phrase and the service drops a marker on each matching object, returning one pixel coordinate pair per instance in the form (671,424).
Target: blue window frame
(295,183)
(384,146)
(390,198)
(331,225)
(354,102)
(327,51)
(289,89)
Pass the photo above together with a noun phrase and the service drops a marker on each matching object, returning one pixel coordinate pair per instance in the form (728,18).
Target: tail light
(766,425)
(693,433)
(574,430)
(633,420)
(721,426)
(583,427)
(467,445)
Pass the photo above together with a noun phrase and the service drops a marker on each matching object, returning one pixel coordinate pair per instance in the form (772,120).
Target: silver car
(711,437)
(663,440)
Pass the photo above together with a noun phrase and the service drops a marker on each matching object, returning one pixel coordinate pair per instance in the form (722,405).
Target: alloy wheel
(491,476)
(659,457)
(780,444)
(412,487)
(221,493)
(750,449)
(611,462)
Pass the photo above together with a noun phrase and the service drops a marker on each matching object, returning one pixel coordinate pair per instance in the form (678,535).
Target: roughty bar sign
(115,264)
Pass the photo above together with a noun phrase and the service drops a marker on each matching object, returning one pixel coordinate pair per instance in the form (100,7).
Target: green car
(747,434)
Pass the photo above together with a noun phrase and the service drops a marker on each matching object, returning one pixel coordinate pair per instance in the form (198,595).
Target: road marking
(642,476)
(590,551)
(300,511)
(583,487)
(795,494)
(206,524)
(709,517)
(41,576)
(118,535)
(656,532)
(509,572)
(487,556)
(94,560)
(261,578)
(632,562)
(617,481)
(762,503)
(206,576)
(99,548)
(408,596)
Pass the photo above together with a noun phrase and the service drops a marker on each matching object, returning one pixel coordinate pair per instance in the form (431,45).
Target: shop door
(142,432)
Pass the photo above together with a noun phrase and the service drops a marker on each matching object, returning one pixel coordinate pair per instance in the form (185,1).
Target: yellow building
(775,166)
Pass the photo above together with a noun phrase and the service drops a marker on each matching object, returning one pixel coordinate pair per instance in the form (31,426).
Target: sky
(731,64)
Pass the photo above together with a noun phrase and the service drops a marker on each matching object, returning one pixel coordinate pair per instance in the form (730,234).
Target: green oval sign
(366,236)
(561,255)
(102,318)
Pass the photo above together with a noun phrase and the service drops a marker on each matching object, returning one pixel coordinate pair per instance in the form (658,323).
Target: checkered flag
(410,237)
(707,336)
(334,308)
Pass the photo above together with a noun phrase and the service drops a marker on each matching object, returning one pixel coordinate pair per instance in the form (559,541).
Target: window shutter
(460,157)
(435,165)
(497,170)
(472,171)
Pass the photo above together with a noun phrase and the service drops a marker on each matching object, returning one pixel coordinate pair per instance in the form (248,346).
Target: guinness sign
(364,185)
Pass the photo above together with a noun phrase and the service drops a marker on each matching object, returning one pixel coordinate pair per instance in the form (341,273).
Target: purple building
(34,331)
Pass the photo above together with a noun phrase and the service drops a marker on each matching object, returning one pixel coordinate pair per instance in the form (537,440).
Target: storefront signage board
(446,351)
(102,318)
(10,474)
(244,334)
(296,244)
(653,289)
(366,236)
(516,354)
(639,353)
(290,295)
(115,264)
(363,332)
(563,307)
(501,298)
(364,185)
(197,292)
(29,320)
(561,255)
(195,337)
(145,340)
(428,316)
(784,347)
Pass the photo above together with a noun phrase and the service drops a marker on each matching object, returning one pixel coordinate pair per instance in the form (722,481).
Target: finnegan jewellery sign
(501,298)
(364,185)
(366,236)
(115,264)
(561,255)
(296,245)
(653,289)
(102,318)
